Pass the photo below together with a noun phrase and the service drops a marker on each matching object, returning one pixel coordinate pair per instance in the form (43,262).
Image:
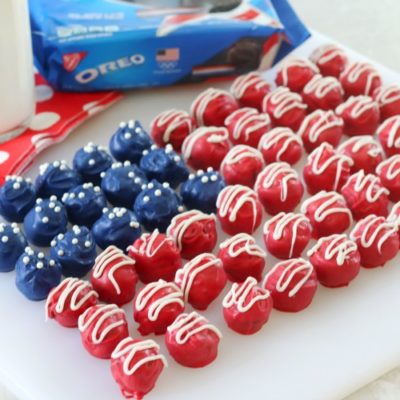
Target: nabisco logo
(90,74)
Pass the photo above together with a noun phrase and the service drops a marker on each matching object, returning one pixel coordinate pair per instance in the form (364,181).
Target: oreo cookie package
(86,45)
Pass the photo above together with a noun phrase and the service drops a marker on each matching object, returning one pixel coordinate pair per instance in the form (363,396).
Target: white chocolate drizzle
(354,71)
(147,247)
(393,167)
(387,95)
(394,215)
(244,82)
(173,119)
(358,105)
(241,152)
(284,101)
(321,86)
(356,143)
(393,134)
(295,62)
(240,244)
(326,53)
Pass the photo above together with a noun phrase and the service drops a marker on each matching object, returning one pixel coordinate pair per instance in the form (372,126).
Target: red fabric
(57,114)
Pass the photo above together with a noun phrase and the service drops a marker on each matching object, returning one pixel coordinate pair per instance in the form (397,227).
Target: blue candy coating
(12,245)
(84,204)
(156,205)
(36,274)
(200,191)
(44,221)
(118,227)
(122,183)
(75,251)
(55,179)
(90,161)
(164,165)
(17,197)
(129,141)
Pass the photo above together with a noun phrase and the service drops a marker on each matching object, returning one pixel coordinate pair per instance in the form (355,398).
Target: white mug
(17,102)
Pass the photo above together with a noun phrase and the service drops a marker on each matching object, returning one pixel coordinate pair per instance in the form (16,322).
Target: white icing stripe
(240,295)
(318,123)
(147,247)
(110,255)
(72,288)
(188,325)
(282,136)
(270,175)
(144,296)
(242,243)
(173,119)
(190,270)
(239,153)
(318,167)
(295,62)
(387,95)
(103,313)
(368,233)
(324,54)
(338,247)
(393,135)
(320,86)
(394,215)
(232,198)
(356,143)
(182,222)
(354,71)
(291,269)
(283,221)
(284,101)
(212,134)
(393,167)
(129,349)
(358,105)
(368,183)
(327,206)
(244,82)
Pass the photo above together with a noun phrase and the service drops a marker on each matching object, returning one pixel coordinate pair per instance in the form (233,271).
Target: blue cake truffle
(122,183)
(17,197)
(90,161)
(36,274)
(164,165)
(84,204)
(12,245)
(118,227)
(46,220)
(75,251)
(55,179)
(129,141)
(156,205)
(201,190)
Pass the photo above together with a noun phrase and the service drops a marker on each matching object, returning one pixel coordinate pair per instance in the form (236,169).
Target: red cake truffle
(212,106)
(156,307)
(360,115)
(295,73)
(247,126)
(247,307)
(192,341)
(136,364)
(330,59)
(206,147)
(201,280)
(242,165)
(286,235)
(365,195)
(279,188)
(241,257)
(71,298)
(389,135)
(250,89)
(365,152)
(292,284)
(238,210)
(285,108)
(319,127)
(328,213)
(322,93)
(193,232)
(102,327)
(171,126)
(157,257)
(360,78)
(388,99)
(377,240)
(326,169)
(114,277)
(389,175)
(336,260)
(281,144)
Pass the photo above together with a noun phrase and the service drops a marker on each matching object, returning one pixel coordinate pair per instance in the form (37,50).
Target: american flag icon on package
(168,55)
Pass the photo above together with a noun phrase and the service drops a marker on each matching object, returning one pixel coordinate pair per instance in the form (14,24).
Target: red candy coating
(389,175)
(330,59)
(360,78)
(389,135)
(394,216)
(242,257)
(247,307)
(388,99)
(157,257)
(292,284)
(279,188)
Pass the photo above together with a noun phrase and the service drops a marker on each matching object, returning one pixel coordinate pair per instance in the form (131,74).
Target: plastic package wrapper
(82,45)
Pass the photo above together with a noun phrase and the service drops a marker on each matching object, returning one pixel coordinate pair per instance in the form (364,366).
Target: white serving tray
(346,338)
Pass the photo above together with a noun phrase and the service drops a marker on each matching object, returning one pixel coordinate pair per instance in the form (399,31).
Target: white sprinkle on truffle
(60,253)
(91,162)
(38,209)
(25,260)
(57,209)
(74,241)
(131,174)
(45,220)
(4,239)
(39,265)
(41,255)
(134,224)
(127,135)
(16,186)
(204,179)
(165,185)
(146,199)
(52,263)
(88,244)
(214,178)
(181,208)
(158,193)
